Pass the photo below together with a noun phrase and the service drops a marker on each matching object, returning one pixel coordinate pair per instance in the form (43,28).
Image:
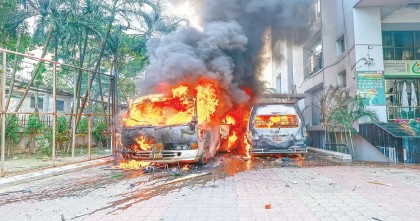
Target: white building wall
(368,45)
(404,15)
(282,64)
(361,29)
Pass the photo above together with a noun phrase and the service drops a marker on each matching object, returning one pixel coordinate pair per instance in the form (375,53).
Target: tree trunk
(36,101)
(102,97)
(44,52)
(78,82)
(12,83)
(351,142)
(98,63)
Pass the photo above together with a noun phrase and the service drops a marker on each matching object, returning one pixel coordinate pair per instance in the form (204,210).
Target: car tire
(203,158)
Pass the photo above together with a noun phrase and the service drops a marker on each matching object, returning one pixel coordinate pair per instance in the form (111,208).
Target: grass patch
(117,176)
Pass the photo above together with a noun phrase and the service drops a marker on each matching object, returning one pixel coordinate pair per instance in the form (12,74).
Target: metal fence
(55,104)
(397,141)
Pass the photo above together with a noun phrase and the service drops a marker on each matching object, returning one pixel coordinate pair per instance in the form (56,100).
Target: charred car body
(275,126)
(174,134)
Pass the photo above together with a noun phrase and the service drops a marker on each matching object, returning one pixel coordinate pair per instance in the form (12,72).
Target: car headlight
(194,146)
(182,147)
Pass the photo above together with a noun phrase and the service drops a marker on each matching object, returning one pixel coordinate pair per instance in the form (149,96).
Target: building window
(340,45)
(59,105)
(341,79)
(401,45)
(315,62)
(40,103)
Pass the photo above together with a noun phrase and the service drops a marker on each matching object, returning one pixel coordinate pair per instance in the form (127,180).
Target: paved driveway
(261,189)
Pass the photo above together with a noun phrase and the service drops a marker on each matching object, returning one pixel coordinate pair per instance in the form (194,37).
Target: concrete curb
(343,157)
(13,180)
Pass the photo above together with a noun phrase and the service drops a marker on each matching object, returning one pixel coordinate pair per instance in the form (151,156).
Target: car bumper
(168,156)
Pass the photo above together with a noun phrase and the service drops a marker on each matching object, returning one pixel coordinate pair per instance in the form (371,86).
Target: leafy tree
(45,14)
(99,128)
(89,34)
(34,127)
(83,126)
(62,132)
(12,132)
(340,111)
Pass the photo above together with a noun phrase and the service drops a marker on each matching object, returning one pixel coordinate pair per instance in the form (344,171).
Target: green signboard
(371,85)
(403,68)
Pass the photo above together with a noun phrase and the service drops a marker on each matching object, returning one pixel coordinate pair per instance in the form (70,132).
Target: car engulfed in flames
(180,126)
(276,126)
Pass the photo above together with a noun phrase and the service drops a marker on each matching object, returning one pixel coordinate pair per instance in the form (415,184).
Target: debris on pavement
(379,183)
(113,168)
(294,182)
(17,191)
(268,206)
(149,169)
(191,176)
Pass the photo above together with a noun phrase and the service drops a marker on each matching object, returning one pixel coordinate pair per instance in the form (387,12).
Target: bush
(100,127)
(34,125)
(44,142)
(62,134)
(82,128)
(12,131)
(63,130)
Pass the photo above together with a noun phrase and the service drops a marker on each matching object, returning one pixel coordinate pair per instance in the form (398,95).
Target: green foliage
(99,128)
(44,142)
(341,110)
(82,128)
(63,130)
(12,131)
(95,25)
(62,134)
(354,110)
(34,125)
(40,76)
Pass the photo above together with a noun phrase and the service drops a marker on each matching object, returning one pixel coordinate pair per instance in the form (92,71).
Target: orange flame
(232,140)
(230,120)
(185,167)
(133,165)
(143,143)
(204,98)
(247,147)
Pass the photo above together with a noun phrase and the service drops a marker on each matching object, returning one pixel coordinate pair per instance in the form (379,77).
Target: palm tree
(120,16)
(353,110)
(341,110)
(46,14)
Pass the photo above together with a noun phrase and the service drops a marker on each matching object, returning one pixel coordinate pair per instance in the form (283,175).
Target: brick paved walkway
(319,193)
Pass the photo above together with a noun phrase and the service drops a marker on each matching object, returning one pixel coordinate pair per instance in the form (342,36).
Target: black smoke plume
(229,45)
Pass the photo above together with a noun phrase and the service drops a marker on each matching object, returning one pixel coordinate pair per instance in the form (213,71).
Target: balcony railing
(398,141)
(402,112)
(314,64)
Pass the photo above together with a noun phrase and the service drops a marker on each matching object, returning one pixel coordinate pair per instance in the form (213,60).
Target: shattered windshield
(160,112)
(275,116)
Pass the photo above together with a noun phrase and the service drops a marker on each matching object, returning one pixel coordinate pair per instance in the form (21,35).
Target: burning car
(175,127)
(275,126)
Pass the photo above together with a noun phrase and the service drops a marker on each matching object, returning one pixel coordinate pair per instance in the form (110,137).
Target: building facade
(371,47)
